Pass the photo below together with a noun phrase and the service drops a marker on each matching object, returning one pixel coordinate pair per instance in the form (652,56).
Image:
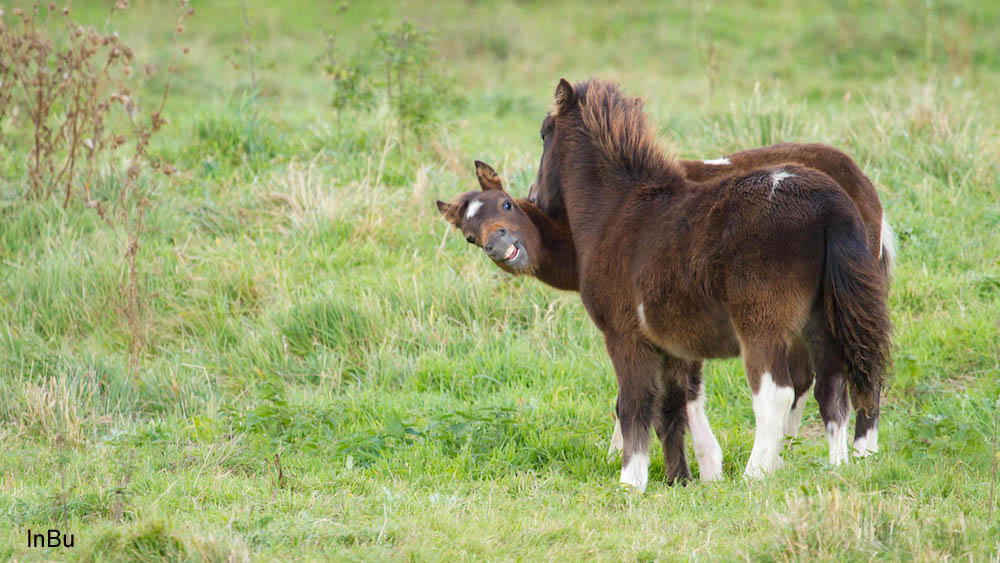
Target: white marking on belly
(770,408)
(473,208)
(776,178)
(867,444)
(717,162)
(706,447)
(794,420)
(642,316)
(836,434)
(636,471)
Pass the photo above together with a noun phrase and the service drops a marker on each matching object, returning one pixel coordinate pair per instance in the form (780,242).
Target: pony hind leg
(866,430)
(637,368)
(767,372)
(706,448)
(831,394)
(800,368)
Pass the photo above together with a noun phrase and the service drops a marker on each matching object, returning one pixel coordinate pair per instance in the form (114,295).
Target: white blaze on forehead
(836,434)
(867,444)
(771,404)
(706,447)
(473,208)
(717,162)
(636,471)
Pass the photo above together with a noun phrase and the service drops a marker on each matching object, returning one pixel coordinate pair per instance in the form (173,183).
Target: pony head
(494,221)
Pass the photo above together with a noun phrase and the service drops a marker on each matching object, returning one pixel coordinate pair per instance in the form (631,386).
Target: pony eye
(470,240)
(507,206)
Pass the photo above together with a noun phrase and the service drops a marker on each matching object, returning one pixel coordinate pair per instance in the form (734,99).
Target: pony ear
(565,96)
(488,179)
(443,207)
(453,211)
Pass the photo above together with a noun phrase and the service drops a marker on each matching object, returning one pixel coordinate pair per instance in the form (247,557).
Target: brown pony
(521,239)
(542,247)
(674,271)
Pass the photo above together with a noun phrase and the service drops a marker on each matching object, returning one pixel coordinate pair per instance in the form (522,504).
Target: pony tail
(887,240)
(854,296)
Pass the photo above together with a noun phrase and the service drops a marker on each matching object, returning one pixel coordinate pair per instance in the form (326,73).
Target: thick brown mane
(616,123)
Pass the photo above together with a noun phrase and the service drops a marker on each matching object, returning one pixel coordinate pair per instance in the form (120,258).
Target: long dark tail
(854,296)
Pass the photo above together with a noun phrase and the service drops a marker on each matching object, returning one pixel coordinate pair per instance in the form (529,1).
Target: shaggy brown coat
(674,269)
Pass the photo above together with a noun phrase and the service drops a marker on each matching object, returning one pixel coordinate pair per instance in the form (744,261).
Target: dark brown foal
(520,239)
(746,264)
(881,241)
(554,263)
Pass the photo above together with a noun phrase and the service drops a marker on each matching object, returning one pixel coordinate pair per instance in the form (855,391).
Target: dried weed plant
(69,105)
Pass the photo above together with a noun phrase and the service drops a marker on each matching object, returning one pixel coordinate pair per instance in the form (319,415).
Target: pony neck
(596,187)
(609,152)
(555,263)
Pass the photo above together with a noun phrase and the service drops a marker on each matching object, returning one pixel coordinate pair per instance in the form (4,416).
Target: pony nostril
(489,247)
(502,232)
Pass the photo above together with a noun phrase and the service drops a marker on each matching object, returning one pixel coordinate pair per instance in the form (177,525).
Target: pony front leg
(637,368)
(670,420)
(767,372)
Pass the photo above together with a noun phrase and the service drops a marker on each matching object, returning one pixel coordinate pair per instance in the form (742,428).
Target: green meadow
(328,371)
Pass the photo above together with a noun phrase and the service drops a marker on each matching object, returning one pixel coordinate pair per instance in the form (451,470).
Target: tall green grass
(331,373)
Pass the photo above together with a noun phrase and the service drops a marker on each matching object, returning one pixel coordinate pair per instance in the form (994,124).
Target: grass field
(329,372)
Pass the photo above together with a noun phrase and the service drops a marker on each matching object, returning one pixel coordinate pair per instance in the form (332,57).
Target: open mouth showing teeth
(512,252)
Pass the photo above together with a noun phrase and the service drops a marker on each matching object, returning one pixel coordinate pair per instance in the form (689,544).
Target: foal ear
(452,211)
(488,179)
(565,96)
(443,207)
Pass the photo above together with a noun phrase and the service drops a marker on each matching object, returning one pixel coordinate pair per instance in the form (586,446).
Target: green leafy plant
(412,85)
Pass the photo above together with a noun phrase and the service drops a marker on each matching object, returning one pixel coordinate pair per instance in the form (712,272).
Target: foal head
(492,220)
(546,192)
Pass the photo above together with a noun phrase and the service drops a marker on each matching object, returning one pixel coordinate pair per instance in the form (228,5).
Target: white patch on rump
(794,421)
(779,176)
(867,444)
(473,208)
(636,471)
(706,447)
(771,405)
(717,162)
(641,311)
(776,178)
(836,434)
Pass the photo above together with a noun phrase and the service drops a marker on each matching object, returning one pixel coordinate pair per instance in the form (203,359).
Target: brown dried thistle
(68,105)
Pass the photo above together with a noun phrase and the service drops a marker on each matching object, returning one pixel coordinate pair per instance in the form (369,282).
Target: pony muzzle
(505,248)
